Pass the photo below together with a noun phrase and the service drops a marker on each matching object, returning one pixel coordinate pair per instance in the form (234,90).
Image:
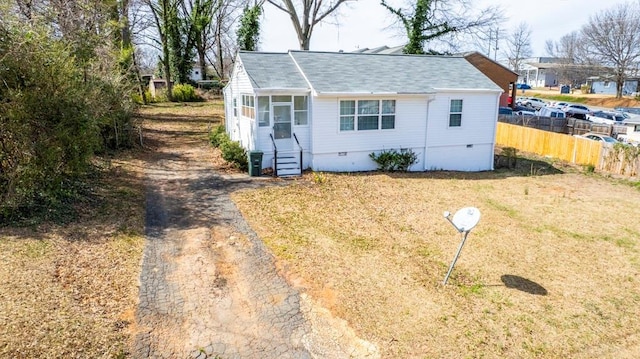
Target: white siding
(468,147)
(239,128)
(335,150)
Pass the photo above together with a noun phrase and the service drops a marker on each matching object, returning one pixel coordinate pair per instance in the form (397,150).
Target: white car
(551,112)
(605,117)
(575,108)
(560,105)
(535,103)
(600,137)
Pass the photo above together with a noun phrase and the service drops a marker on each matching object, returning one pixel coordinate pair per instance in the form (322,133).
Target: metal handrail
(300,147)
(275,156)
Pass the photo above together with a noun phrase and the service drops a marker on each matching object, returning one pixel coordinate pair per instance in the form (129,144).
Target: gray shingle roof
(333,72)
(364,73)
(272,70)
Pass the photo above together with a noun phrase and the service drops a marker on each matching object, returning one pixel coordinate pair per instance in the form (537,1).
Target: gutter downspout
(426,132)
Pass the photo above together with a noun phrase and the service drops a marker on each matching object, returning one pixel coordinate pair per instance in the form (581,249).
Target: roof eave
(445,89)
(373,93)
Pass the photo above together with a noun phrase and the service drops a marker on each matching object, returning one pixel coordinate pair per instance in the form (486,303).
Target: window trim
(248,106)
(451,112)
(306,110)
(268,112)
(355,115)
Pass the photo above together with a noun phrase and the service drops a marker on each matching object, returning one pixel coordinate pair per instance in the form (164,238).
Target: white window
(263,111)
(367,115)
(607,84)
(248,106)
(455,113)
(235,107)
(300,110)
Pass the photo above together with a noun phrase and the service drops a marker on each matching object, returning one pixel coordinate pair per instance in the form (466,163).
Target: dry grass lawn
(70,290)
(552,270)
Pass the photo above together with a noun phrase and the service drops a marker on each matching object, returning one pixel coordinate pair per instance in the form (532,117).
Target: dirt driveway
(208,286)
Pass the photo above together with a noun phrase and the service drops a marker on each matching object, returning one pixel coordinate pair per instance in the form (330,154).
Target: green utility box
(255,163)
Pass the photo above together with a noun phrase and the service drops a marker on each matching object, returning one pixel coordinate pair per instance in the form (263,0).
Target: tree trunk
(141,89)
(219,53)
(203,66)
(619,84)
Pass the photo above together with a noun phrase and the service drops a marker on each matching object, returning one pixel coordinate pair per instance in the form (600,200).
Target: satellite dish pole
(463,221)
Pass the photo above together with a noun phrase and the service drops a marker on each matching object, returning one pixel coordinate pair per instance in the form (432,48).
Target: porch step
(288,164)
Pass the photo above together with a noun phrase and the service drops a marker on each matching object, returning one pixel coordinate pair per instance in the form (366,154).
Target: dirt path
(208,286)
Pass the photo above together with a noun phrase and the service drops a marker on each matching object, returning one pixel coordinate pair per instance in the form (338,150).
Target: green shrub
(231,150)
(56,111)
(393,160)
(234,153)
(185,93)
(217,136)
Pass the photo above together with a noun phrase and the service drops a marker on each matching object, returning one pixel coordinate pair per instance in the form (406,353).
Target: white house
(607,85)
(329,111)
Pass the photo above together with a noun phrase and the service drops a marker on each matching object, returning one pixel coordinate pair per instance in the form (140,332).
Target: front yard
(552,269)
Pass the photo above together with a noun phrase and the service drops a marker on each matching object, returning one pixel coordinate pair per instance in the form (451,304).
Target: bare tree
(518,45)
(306,14)
(427,22)
(613,38)
(162,11)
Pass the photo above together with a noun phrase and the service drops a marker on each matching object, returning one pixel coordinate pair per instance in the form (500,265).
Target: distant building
(607,85)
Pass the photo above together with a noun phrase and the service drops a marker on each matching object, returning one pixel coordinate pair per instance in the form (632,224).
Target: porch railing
(275,156)
(300,148)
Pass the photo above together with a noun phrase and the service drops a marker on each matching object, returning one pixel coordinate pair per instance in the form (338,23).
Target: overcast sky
(365,23)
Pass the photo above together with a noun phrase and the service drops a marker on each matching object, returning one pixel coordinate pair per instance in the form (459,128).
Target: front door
(282,126)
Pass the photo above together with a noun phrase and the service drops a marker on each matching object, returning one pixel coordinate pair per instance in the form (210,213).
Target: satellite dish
(466,218)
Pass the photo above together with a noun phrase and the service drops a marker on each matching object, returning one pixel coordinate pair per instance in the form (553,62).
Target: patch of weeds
(474,289)
(627,243)
(589,169)
(501,207)
(282,251)
(526,190)
(533,348)
(319,178)
(36,249)
(425,252)
(361,242)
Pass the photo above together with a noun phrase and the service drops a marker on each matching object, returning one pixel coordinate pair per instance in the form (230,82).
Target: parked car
(560,105)
(600,137)
(551,112)
(634,110)
(523,87)
(524,111)
(605,117)
(505,111)
(535,103)
(576,109)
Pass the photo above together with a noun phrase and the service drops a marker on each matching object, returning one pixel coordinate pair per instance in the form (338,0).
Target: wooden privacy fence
(571,126)
(544,143)
(619,159)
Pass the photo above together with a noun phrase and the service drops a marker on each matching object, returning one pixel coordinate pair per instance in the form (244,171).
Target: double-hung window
(455,113)
(300,110)
(248,109)
(367,115)
(263,111)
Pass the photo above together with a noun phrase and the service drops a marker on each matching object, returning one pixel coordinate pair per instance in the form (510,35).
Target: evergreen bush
(185,93)
(393,160)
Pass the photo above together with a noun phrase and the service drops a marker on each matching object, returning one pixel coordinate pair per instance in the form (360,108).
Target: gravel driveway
(209,288)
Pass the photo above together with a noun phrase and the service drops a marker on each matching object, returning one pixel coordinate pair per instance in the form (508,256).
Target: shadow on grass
(523,284)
